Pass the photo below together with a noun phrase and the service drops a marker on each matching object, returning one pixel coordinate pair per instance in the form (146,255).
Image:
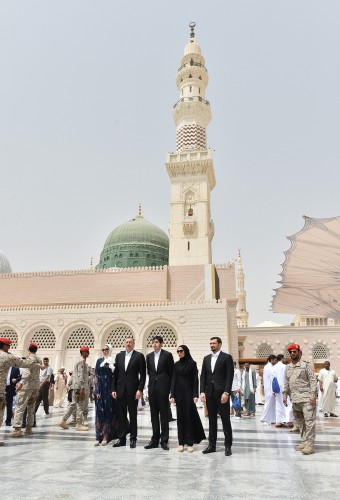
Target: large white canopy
(310,281)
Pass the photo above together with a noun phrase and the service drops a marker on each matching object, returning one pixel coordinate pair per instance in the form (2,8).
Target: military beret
(33,344)
(84,349)
(294,347)
(5,341)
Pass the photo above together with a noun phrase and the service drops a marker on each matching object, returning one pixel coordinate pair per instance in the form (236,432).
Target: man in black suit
(216,381)
(13,378)
(127,386)
(160,365)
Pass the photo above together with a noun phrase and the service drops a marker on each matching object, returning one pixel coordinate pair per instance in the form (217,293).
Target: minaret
(242,313)
(191,168)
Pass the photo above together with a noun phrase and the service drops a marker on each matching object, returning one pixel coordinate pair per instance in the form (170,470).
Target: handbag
(275,386)
(236,403)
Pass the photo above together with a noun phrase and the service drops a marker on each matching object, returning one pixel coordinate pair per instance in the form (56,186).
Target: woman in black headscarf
(184,392)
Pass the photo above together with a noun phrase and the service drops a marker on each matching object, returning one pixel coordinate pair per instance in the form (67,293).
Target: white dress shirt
(157,354)
(127,358)
(214,357)
(8,380)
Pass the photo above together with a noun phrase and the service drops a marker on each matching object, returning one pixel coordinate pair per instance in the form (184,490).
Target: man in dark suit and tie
(216,381)
(127,386)
(160,365)
(13,378)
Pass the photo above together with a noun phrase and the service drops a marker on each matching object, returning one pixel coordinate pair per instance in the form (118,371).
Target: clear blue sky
(86,94)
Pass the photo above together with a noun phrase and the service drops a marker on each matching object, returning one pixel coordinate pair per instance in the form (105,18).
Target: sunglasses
(106,349)
(292,352)
(180,350)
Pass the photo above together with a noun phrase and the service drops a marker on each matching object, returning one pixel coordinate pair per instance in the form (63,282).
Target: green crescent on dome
(136,243)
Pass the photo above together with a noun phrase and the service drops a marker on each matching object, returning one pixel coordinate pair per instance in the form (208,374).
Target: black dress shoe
(133,443)
(120,442)
(152,444)
(165,446)
(210,449)
(228,451)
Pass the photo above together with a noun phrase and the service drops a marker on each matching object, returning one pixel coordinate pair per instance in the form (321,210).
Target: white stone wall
(314,341)
(193,323)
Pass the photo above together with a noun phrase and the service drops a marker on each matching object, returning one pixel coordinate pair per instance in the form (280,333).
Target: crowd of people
(118,385)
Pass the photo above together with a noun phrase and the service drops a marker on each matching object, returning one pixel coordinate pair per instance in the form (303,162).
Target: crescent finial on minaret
(192,27)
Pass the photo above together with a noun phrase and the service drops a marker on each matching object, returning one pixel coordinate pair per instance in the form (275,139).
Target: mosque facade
(145,282)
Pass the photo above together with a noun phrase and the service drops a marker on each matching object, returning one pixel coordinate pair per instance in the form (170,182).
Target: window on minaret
(190,89)
(191,62)
(190,76)
(200,78)
(188,245)
(199,90)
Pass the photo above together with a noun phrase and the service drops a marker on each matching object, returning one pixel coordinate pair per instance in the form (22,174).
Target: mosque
(147,282)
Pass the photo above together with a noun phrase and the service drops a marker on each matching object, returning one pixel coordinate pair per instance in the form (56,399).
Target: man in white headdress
(60,389)
(327,380)
(269,414)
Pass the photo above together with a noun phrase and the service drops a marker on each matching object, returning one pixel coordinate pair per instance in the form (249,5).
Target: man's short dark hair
(2,344)
(46,359)
(279,357)
(32,349)
(159,338)
(219,340)
(271,357)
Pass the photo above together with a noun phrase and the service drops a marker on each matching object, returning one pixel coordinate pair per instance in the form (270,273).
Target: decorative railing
(187,99)
(192,64)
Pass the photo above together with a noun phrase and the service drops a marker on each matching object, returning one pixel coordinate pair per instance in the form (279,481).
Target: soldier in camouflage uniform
(7,360)
(300,386)
(80,385)
(27,394)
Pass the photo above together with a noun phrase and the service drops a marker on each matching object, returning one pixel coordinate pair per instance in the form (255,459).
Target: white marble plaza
(55,464)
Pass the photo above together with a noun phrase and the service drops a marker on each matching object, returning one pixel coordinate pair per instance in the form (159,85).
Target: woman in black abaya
(184,392)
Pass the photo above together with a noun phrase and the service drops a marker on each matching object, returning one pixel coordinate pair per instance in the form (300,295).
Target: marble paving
(58,464)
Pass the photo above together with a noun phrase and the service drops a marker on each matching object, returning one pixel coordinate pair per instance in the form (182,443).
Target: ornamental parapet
(72,272)
(113,305)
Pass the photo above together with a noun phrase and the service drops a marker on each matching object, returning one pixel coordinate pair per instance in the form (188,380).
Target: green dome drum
(137,243)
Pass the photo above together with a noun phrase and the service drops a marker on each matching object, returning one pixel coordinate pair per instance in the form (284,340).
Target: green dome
(137,243)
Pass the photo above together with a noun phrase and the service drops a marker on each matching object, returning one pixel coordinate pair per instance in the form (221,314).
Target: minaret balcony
(190,65)
(192,99)
(192,163)
(189,156)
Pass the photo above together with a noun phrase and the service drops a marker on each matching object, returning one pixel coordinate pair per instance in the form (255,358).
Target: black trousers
(159,408)
(127,403)
(214,407)
(9,403)
(43,396)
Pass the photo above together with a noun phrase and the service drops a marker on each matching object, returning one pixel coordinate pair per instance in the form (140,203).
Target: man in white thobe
(258,393)
(60,389)
(280,410)
(269,414)
(327,380)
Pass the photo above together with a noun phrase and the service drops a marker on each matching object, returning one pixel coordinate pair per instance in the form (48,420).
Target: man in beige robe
(327,380)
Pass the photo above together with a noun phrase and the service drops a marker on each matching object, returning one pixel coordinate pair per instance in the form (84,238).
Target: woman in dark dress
(106,406)
(184,392)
